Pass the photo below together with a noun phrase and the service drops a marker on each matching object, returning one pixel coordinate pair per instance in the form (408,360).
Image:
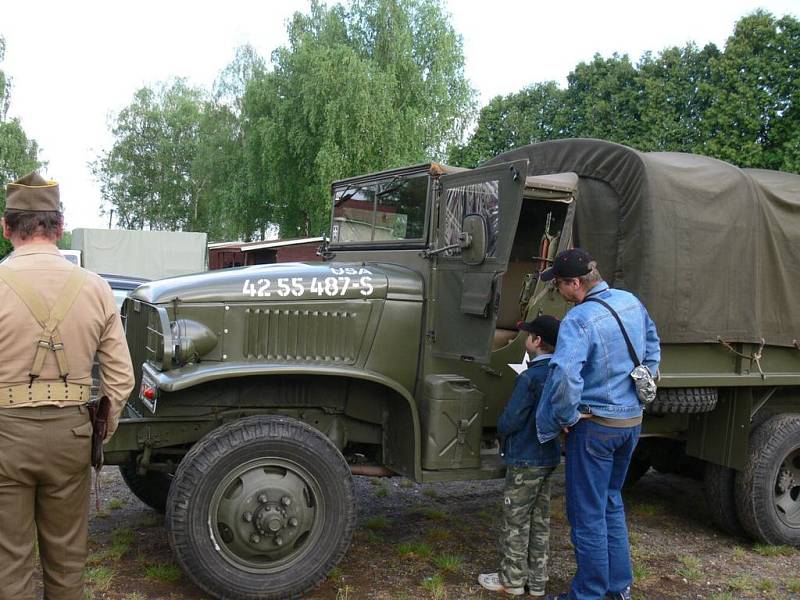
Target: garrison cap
(33,193)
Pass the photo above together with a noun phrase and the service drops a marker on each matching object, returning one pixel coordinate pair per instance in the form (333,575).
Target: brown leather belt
(45,392)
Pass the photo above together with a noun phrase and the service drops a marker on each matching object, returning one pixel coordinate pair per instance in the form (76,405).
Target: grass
(723,596)
(793,585)
(115,504)
(430,493)
(768,550)
(742,583)
(382,492)
(406,483)
(414,550)
(434,514)
(343,593)
(151,521)
(739,552)
(134,596)
(640,571)
(377,522)
(374,481)
(647,510)
(484,516)
(438,534)
(99,578)
(450,563)
(766,585)
(335,574)
(434,586)
(690,569)
(165,573)
(121,540)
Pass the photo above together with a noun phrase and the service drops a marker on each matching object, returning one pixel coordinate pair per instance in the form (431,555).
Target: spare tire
(683,400)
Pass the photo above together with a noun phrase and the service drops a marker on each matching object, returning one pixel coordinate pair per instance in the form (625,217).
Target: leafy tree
(355,90)
(18,153)
(147,176)
(755,117)
(535,114)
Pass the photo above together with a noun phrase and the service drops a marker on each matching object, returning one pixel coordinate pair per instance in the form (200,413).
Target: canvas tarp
(712,250)
(135,253)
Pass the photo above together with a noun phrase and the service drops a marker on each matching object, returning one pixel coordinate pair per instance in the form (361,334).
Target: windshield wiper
(395,184)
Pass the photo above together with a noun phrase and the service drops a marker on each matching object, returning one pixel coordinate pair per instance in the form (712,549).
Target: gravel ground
(432,541)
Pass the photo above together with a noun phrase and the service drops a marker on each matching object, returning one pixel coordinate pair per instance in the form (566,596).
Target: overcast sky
(74,63)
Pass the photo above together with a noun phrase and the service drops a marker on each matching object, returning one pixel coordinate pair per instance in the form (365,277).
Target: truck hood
(288,282)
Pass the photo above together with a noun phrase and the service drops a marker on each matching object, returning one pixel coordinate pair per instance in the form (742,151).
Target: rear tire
(721,499)
(768,489)
(261,508)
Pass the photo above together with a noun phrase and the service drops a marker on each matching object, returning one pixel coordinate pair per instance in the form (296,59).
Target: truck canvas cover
(712,250)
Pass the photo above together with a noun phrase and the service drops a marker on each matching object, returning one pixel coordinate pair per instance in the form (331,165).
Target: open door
(466,282)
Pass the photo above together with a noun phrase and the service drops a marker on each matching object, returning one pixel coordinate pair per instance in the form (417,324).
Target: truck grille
(144,331)
(305,335)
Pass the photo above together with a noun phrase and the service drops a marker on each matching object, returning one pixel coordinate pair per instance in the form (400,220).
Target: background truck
(261,390)
(140,253)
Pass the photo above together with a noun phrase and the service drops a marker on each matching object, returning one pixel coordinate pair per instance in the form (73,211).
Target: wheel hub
(264,514)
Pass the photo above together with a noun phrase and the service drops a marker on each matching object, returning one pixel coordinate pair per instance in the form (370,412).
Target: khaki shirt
(92,326)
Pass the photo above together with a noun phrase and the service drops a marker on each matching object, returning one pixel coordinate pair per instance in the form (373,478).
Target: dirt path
(431,541)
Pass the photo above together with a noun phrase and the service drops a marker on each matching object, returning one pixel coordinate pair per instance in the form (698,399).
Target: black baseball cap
(544,326)
(568,264)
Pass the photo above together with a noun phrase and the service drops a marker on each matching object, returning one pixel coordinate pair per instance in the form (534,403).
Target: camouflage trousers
(525,533)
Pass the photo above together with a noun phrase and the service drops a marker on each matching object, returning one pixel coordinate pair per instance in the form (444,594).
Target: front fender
(190,376)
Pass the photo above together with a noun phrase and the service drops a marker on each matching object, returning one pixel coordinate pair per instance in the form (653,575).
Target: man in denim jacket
(590,395)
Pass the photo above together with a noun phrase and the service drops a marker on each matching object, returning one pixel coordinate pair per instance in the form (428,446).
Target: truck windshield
(389,209)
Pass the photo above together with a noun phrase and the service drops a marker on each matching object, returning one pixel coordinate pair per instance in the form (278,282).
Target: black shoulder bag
(642,377)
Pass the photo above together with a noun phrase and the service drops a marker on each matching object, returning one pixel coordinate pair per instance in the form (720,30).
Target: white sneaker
(491,582)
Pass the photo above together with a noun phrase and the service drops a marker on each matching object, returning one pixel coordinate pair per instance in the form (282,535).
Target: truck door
(466,291)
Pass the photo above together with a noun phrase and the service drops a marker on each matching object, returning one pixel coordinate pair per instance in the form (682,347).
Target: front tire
(721,499)
(262,507)
(768,489)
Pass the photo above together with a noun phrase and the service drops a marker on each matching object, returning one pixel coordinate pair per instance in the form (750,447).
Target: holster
(98,413)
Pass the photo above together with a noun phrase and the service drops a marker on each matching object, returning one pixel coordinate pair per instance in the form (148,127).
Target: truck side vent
(304,335)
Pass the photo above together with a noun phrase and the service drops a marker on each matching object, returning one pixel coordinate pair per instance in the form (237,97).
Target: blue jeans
(596,463)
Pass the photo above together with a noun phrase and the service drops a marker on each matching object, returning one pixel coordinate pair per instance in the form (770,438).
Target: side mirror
(475,239)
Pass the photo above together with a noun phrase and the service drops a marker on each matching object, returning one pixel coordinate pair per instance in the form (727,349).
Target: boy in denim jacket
(525,533)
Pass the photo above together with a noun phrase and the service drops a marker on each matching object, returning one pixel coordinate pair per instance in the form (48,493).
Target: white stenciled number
(331,286)
(316,287)
(283,286)
(297,286)
(365,283)
(248,289)
(264,283)
(345,285)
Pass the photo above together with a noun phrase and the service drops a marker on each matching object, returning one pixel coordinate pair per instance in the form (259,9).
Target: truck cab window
(477,198)
(390,209)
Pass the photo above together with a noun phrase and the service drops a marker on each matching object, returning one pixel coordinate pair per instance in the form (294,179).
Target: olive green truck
(261,390)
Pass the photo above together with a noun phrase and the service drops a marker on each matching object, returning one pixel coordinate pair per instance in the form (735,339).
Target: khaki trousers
(45,455)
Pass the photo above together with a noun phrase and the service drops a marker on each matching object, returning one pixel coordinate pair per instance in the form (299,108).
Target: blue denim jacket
(517,426)
(591,366)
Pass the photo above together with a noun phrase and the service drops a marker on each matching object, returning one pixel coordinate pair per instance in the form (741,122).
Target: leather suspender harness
(46,392)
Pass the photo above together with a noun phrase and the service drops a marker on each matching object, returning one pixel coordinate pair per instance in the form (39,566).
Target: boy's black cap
(544,326)
(568,264)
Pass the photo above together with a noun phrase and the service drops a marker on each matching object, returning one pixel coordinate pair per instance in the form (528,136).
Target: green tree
(18,153)
(147,176)
(535,114)
(355,90)
(754,119)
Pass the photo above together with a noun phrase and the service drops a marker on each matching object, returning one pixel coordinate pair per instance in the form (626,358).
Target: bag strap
(50,339)
(631,351)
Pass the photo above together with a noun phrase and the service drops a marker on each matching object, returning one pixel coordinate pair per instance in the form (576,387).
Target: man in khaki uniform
(54,318)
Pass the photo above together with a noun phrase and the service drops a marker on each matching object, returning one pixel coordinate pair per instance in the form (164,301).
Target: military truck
(261,390)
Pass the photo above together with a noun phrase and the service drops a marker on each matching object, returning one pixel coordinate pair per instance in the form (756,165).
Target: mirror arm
(464,241)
